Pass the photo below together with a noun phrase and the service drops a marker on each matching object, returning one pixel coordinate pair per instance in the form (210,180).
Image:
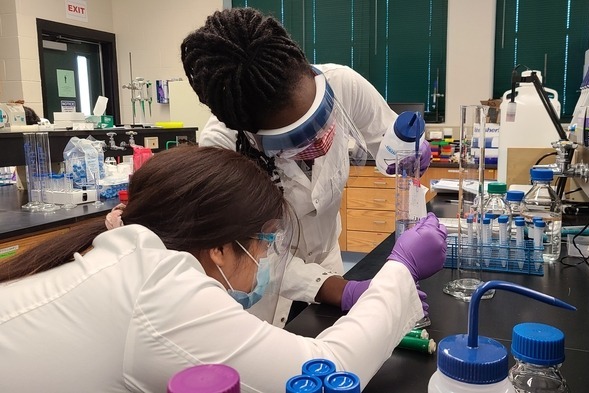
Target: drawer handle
(379,222)
(379,200)
(380,183)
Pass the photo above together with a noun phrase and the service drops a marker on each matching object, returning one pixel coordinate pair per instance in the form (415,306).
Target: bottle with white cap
(538,350)
(469,363)
(407,133)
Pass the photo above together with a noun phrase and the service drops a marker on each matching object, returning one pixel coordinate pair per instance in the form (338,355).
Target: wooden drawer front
(365,241)
(370,199)
(364,171)
(371,220)
(372,182)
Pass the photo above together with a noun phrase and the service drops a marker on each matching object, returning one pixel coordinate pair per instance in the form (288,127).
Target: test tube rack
(494,257)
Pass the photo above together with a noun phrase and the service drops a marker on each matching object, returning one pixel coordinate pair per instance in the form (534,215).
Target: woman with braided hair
(297,121)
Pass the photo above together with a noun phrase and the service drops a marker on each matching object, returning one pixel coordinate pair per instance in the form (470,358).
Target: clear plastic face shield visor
(325,116)
(281,237)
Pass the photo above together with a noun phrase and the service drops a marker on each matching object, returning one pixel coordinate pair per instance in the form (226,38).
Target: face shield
(311,136)
(281,237)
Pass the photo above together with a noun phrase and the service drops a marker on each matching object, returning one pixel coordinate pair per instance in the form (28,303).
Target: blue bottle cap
(536,218)
(470,219)
(503,219)
(319,368)
(409,126)
(538,344)
(341,381)
(520,223)
(475,359)
(304,384)
(486,220)
(514,196)
(539,224)
(541,174)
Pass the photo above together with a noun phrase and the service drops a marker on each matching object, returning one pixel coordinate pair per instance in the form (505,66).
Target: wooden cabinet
(369,209)
(368,205)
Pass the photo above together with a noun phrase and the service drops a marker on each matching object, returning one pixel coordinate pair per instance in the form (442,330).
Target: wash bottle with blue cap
(470,363)
(407,133)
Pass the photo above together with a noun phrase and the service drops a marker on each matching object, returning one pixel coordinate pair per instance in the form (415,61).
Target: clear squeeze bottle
(542,201)
(469,363)
(538,350)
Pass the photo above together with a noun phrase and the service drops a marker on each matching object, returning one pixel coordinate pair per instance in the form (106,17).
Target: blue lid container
(341,381)
(304,384)
(319,368)
(537,343)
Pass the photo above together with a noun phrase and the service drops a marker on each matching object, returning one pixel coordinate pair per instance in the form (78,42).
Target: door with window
(72,76)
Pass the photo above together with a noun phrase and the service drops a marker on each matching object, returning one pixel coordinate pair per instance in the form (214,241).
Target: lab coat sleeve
(184,318)
(302,280)
(215,133)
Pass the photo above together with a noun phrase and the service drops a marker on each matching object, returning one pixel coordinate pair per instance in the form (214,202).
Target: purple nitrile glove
(352,291)
(422,249)
(424,160)
(422,297)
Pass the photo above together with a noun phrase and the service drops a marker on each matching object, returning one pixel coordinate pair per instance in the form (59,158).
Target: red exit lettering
(76,9)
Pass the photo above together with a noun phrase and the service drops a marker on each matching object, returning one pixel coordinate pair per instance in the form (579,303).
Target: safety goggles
(287,142)
(277,238)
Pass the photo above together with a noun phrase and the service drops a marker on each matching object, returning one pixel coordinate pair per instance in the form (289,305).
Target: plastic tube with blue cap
(503,221)
(470,363)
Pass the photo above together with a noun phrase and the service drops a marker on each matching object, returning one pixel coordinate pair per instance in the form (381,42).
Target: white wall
(20,75)
(470,55)
(152,31)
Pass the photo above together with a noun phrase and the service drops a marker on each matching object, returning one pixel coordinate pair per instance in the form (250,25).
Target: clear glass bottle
(514,199)
(538,350)
(495,206)
(542,201)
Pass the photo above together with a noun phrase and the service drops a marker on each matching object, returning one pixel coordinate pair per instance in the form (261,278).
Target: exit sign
(76,9)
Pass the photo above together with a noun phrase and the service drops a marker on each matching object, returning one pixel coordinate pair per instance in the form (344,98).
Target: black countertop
(15,222)
(409,371)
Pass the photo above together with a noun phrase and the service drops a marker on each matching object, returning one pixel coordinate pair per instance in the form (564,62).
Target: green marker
(418,344)
(419,333)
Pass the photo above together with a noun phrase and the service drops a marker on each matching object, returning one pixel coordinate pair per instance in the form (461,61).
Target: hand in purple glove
(352,292)
(422,249)
(424,160)
(422,297)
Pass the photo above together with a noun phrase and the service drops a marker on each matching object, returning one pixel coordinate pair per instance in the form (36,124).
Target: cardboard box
(494,114)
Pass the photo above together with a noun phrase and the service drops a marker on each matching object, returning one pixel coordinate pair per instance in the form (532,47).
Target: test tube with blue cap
(519,242)
(486,240)
(539,226)
(471,363)
(503,221)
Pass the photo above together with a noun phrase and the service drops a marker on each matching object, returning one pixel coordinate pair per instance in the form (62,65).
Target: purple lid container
(206,378)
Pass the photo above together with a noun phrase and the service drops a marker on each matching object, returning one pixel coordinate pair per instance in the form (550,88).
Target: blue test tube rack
(508,258)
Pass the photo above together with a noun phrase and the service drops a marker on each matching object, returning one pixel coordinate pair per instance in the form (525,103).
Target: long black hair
(244,66)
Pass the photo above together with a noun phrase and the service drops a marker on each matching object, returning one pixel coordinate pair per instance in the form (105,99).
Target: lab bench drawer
(370,198)
(372,182)
(365,171)
(371,220)
(365,241)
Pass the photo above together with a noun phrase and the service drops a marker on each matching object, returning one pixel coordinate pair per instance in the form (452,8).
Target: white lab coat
(129,314)
(317,201)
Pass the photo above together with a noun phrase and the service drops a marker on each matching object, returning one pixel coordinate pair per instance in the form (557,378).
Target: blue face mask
(262,279)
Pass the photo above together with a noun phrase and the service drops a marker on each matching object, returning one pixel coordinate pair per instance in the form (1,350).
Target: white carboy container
(531,127)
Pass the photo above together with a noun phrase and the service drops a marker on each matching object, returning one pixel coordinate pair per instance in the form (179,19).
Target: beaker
(471,176)
(407,192)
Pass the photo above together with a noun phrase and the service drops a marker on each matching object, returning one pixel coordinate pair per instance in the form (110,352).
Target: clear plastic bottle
(542,201)
(538,350)
(496,205)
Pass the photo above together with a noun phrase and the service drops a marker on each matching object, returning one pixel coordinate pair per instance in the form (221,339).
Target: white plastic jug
(532,126)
